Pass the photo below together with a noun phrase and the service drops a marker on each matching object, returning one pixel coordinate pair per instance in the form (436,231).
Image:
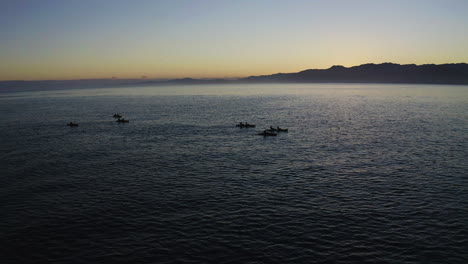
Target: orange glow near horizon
(43,73)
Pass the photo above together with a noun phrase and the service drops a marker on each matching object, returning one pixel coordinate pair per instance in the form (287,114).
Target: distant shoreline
(384,73)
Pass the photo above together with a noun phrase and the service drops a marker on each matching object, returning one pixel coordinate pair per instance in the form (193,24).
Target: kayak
(244,125)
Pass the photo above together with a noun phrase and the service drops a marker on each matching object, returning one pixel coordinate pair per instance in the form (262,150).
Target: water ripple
(358,179)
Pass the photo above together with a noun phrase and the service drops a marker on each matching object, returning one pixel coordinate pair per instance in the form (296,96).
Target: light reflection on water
(400,90)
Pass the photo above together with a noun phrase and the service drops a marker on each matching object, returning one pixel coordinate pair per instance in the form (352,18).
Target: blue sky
(71,39)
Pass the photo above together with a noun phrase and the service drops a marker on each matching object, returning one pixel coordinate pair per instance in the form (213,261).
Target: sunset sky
(75,39)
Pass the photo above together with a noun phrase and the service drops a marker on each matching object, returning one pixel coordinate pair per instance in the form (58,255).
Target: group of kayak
(119,117)
(268,132)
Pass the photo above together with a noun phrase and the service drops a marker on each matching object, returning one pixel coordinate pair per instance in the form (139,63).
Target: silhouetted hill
(376,73)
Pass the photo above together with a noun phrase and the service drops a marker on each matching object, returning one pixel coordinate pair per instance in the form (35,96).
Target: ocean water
(367,173)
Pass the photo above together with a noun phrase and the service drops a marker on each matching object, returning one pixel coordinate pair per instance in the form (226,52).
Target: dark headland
(454,73)
(376,73)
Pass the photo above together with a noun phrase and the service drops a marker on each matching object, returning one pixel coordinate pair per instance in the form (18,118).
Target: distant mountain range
(375,73)
(366,73)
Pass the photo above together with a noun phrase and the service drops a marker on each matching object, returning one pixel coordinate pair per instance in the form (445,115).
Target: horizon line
(143,78)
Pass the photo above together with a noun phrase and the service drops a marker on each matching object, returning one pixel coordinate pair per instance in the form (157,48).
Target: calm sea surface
(367,174)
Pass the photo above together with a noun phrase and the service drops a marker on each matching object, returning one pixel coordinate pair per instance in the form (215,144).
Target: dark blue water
(366,174)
